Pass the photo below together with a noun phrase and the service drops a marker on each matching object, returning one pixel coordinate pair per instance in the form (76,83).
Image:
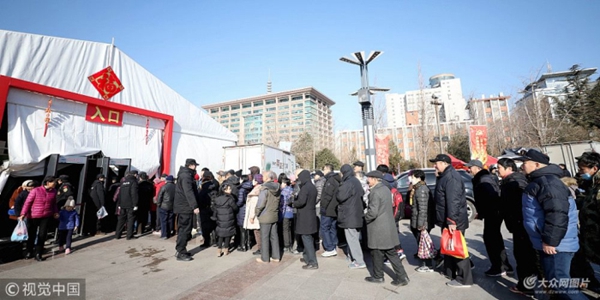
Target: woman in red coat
(39,209)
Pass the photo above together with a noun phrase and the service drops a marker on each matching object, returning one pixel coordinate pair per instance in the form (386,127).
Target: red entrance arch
(8,82)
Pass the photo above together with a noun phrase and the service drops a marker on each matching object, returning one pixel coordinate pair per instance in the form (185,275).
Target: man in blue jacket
(550,219)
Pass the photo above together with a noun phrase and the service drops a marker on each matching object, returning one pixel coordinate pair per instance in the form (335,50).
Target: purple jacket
(40,203)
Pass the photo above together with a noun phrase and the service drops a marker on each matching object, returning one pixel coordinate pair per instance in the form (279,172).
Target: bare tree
(422,135)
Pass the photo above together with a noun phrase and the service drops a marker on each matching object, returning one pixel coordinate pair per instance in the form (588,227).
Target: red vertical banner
(478,142)
(147,126)
(47,119)
(382,149)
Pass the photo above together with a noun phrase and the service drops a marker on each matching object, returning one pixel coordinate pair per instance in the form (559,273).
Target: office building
(278,117)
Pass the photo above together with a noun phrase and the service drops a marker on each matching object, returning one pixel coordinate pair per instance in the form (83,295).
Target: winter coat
(423,208)
(350,199)
(186,192)
(68,219)
(234,181)
(166,196)
(128,192)
(250,207)
(487,193)
(64,191)
(20,201)
(305,204)
(286,198)
(157,186)
(549,211)
(245,188)
(40,203)
(589,220)
(224,210)
(450,200)
(329,201)
(511,204)
(319,184)
(381,228)
(97,193)
(207,194)
(146,194)
(267,208)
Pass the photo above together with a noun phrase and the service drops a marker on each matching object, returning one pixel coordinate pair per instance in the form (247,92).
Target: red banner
(382,149)
(104,115)
(107,83)
(478,142)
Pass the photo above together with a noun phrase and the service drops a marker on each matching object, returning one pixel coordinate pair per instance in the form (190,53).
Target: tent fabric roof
(66,64)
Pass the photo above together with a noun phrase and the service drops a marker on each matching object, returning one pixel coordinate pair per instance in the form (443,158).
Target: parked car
(430,179)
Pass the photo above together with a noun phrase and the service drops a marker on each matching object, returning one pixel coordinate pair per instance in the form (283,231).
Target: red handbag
(454,244)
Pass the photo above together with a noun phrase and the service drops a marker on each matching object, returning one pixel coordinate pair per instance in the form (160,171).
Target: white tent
(66,64)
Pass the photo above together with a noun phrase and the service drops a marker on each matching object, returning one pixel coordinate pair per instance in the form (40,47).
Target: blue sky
(213,51)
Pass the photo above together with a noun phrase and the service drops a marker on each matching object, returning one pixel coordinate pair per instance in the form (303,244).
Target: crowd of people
(553,218)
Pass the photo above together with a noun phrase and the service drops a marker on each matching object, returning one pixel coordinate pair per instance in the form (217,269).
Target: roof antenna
(269,83)
(548,67)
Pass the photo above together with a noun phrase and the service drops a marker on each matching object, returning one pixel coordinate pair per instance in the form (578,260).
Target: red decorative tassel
(47,119)
(147,126)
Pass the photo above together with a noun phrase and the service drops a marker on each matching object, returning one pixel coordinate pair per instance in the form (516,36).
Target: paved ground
(145,268)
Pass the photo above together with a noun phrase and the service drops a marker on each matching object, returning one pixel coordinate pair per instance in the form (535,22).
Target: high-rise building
(414,107)
(489,111)
(278,117)
(551,86)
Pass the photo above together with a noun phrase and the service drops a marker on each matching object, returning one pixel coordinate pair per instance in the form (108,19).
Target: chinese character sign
(382,149)
(478,142)
(107,83)
(104,115)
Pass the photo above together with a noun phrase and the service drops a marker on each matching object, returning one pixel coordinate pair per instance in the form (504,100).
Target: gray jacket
(267,208)
(381,229)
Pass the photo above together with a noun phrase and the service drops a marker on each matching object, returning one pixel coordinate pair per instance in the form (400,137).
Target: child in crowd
(69,221)
(224,211)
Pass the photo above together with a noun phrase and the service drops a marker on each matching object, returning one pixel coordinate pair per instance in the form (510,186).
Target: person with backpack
(164,204)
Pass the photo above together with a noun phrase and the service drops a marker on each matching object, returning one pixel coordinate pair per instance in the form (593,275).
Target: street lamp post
(437,104)
(364,99)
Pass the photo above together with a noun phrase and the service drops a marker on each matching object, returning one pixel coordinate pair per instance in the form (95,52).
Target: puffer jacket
(423,209)
(285,210)
(350,199)
(245,188)
(549,211)
(166,196)
(186,192)
(305,204)
(224,210)
(511,195)
(40,203)
(319,184)
(267,208)
(250,206)
(450,200)
(329,201)
(487,193)
(128,192)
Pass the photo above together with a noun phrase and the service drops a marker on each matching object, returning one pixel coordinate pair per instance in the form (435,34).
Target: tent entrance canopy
(145,136)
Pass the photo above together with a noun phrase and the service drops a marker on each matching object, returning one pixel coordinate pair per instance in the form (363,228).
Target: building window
(224,116)
(225,108)
(214,110)
(281,100)
(297,97)
(284,119)
(234,114)
(235,130)
(284,113)
(235,106)
(298,111)
(284,107)
(258,111)
(269,115)
(224,121)
(270,101)
(297,105)
(246,105)
(235,119)
(258,103)
(248,112)
(271,108)
(235,125)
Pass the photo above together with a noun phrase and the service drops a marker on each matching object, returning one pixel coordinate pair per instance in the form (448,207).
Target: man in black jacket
(146,190)
(511,194)
(97,194)
(127,205)
(185,206)
(487,200)
(164,205)
(328,208)
(350,214)
(451,213)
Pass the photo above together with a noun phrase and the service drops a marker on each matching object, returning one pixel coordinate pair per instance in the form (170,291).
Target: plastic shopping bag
(101,213)
(454,244)
(426,248)
(20,232)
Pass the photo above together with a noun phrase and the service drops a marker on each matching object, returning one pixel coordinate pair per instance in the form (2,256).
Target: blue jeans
(329,232)
(556,269)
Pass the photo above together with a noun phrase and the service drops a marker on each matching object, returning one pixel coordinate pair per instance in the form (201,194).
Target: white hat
(70,203)
(26,183)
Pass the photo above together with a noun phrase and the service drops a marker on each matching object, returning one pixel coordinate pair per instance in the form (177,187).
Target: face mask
(586,177)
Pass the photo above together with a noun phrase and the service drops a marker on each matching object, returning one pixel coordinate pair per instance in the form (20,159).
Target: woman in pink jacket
(39,209)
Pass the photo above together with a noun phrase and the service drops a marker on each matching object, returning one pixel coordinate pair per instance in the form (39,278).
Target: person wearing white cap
(69,221)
